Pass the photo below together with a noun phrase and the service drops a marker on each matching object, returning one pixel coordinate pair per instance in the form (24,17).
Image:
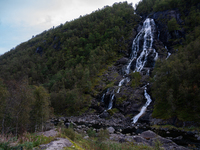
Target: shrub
(69,132)
(91,132)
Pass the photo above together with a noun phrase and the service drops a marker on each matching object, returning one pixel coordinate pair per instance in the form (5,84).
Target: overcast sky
(21,19)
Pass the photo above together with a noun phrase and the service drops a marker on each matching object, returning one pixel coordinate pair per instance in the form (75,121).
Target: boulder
(148,134)
(59,144)
(111,130)
(122,61)
(105,114)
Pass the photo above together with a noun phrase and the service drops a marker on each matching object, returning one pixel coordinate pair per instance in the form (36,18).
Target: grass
(27,141)
(120,100)
(192,128)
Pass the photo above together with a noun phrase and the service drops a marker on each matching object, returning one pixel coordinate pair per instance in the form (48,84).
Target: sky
(21,19)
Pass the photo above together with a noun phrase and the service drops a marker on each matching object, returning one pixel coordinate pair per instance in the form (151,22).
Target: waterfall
(122,82)
(168,54)
(110,105)
(142,46)
(141,49)
(147,96)
(102,98)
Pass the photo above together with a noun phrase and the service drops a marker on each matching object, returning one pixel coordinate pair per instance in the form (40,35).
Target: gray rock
(86,137)
(122,61)
(49,133)
(111,130)
(178,138)
(59,144)
(198,138)
(105,114)
(148,134)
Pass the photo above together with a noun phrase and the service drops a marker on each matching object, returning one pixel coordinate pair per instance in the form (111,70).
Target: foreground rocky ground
(148,138)
(122,132)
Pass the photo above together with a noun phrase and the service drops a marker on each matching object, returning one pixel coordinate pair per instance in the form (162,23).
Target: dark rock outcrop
(161,19)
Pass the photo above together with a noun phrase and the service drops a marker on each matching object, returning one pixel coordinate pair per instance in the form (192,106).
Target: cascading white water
(122,82)
(168,54)
(102,98)
(147,96)
(140,50)
(146,35)
(111,100)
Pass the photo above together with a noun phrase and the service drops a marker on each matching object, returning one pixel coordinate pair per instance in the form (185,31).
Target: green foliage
(135,79)
(22,107)
(66,59)
(120,100)
(173,25)
(145,7)
(91,132)
(158,145)
(69,132)
(103,135)
(40,109)
(112,111)
(176,85)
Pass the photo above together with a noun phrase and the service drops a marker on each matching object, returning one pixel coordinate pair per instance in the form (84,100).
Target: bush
(91,132)
(135,79)
(103,134)
(69,132)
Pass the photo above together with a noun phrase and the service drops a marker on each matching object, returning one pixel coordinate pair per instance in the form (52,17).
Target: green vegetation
(145,7)
(23,108)
(176,85)
(135,79)
(178,79)
(170,127)
(173,25)
(112,111)
(26,141)
(67,59)
(120,100)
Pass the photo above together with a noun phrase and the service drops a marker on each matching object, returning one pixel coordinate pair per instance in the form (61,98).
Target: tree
(40,109)
(3,97)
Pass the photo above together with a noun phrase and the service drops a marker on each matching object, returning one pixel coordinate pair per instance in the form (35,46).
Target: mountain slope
(65,60)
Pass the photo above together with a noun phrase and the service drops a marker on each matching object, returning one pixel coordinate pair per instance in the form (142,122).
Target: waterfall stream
(147,96)
(146,35)
(141,49)
(142,46)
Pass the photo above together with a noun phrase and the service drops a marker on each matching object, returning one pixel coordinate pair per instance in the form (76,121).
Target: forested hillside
(66,59)
(56,71)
